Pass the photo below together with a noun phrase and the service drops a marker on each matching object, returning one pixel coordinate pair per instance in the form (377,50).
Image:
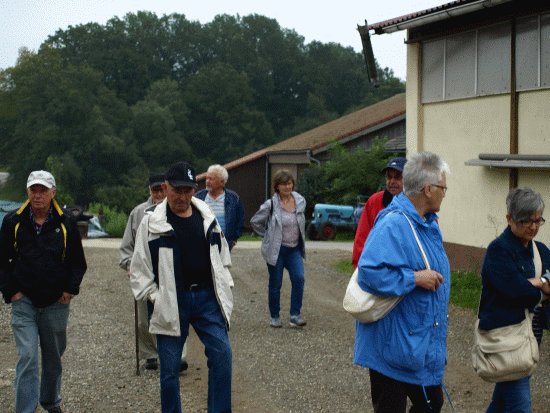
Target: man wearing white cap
(41,267)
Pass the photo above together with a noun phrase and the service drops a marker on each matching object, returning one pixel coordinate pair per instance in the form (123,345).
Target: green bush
(115,221)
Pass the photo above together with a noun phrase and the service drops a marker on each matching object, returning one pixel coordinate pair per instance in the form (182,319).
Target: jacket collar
(24,211)
(299,200)
(158,223)
(509,237)
(405,205)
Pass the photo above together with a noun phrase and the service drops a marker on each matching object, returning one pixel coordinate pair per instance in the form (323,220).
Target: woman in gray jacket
(281,223)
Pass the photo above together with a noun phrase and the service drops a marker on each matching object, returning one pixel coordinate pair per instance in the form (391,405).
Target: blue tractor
(327,219)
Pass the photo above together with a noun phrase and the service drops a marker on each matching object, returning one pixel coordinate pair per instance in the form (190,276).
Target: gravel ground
(274,370)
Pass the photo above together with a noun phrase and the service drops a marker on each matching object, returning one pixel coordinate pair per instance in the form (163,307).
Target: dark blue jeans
(291,259)
(511,397)
(201,310)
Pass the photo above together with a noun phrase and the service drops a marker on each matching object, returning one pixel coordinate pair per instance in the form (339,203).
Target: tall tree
(223,123)
(158,126)
(65,112)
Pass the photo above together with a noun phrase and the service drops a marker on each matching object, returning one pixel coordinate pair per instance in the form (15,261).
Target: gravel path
(274,370)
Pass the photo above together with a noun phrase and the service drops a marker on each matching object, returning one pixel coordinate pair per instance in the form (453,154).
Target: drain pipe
(266,177)
(308,154)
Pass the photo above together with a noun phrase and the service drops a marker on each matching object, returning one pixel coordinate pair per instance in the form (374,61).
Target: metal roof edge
(421,18)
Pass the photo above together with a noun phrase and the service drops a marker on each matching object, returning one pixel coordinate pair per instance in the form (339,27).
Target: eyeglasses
(443,188)
(527,222)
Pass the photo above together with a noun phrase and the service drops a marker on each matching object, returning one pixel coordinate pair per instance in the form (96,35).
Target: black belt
(197,287)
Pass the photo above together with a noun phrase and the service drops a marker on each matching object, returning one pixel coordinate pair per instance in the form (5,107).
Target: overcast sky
(28,23)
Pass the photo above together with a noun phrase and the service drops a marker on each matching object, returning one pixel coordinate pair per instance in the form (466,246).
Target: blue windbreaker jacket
(409,344)
(234,214)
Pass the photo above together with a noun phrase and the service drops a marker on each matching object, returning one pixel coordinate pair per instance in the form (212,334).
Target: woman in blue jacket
(509,286)
(405,351)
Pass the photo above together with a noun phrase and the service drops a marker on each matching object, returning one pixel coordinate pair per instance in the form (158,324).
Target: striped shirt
(218,208)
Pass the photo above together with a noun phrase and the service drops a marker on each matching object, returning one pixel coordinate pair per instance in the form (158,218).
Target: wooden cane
(137,336)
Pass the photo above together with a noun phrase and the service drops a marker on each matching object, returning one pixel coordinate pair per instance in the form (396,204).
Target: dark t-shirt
(194,249)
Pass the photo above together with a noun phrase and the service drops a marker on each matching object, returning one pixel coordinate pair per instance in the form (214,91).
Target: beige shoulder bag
(507,353)
(366,307)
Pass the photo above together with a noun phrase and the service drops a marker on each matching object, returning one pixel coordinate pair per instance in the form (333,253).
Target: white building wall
(474,210)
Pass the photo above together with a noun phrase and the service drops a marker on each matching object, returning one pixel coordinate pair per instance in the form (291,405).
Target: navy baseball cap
(396,163)
(156,180)
(181,174)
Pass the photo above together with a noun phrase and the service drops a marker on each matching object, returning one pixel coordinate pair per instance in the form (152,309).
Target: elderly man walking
(41,267)
(225,203)
(181,265)
(147,342)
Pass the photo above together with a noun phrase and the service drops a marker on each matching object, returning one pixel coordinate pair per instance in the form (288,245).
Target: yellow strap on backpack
(56,206)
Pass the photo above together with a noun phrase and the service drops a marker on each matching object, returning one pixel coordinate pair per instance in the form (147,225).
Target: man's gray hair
(220,170)
(522,203)
(421,169)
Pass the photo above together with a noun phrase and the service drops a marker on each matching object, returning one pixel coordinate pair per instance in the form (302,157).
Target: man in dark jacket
(41,267)
(225,203)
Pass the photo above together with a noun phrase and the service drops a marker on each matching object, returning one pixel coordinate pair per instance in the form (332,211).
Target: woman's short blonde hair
(282,177)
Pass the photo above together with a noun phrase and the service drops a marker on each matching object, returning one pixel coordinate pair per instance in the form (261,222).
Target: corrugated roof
(444,11)
(407,17)
(341,128)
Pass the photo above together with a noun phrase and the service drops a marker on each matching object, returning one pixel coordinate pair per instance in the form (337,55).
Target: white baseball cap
(41,178)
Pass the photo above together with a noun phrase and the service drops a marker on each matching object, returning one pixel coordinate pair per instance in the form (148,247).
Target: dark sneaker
(275,322)
(151,364)
(55,410)
(183,366)
(297,321)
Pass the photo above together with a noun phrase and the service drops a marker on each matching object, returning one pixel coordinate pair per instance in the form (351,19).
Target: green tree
(223,122)
(132,52)
(52,108)
(311,185)
(350,174)
(345,176)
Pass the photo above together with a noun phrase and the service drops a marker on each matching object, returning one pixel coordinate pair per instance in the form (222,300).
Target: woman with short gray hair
(521,203)
(423,168)
(510,285)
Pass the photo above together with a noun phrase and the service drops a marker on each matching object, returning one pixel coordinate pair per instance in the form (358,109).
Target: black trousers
(390,396)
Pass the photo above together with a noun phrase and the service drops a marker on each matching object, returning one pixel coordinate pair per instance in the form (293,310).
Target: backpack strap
(63,228)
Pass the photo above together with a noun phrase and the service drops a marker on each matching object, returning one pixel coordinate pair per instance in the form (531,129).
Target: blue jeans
(202,311)
(29,324)
(511,397)
(291,259)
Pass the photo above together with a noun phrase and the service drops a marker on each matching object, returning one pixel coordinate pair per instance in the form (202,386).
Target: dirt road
(274,370)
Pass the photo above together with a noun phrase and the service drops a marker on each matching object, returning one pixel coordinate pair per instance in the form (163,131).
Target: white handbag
(366,307)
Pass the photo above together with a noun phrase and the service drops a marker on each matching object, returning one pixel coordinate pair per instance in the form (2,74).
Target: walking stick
(137,336)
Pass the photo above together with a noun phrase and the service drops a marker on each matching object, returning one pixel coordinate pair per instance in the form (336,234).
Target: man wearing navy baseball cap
(376,203)
(147,343)
(181,265)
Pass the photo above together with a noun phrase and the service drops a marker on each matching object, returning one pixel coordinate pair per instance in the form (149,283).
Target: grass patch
(465,286)
(247,236)
(344,236)
(465,289)
(343,266)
